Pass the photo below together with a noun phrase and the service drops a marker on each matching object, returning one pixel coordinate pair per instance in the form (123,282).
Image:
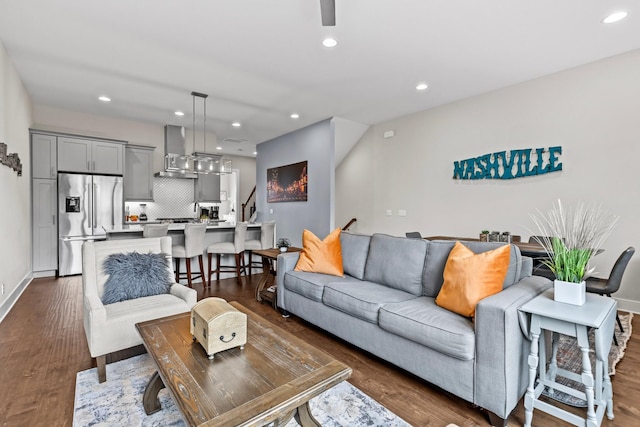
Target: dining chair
(539,268)
(612,284)
(267,233)
(193,247)
(235,248)
(155,230)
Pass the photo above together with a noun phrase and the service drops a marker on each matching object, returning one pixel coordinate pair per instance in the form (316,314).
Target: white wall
(15,191)
(592,111)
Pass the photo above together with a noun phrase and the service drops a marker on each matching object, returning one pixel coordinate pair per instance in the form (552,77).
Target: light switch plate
(402,212)
(389,212)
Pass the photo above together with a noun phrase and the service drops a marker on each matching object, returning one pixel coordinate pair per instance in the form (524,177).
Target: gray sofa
(385,304)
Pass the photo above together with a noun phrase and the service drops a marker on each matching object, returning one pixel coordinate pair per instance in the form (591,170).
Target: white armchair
(111,327)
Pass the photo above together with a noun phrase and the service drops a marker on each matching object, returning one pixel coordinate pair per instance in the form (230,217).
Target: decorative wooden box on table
(218,326)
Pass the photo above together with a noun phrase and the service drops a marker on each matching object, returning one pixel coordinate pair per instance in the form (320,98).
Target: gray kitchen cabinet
(43,156)
(207,188)
(138,172)
(45,224)
(90,156)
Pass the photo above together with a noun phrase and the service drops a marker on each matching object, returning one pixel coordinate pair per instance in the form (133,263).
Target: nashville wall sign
(516,164)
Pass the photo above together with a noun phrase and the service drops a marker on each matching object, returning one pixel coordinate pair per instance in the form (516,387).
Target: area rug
(570,358)
(118,401)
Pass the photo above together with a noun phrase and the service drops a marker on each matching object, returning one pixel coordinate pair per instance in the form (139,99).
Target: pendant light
(205,163)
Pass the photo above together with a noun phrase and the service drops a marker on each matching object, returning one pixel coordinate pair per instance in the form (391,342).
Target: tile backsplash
(173,199)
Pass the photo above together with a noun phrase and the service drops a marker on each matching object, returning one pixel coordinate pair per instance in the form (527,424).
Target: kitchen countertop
(139,226)
(155,221)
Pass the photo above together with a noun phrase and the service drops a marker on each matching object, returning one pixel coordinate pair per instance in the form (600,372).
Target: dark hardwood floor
(42,346)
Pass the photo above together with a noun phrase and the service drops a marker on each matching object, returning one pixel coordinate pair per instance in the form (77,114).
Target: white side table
(598,313)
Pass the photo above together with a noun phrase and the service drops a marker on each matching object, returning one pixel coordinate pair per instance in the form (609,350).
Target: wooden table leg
(304,418)
(266,277)
(150,401)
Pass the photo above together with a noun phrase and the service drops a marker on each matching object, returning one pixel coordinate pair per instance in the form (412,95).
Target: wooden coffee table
(271,380)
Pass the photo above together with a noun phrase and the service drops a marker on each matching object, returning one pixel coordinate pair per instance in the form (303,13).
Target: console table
(269,256)
(599,313)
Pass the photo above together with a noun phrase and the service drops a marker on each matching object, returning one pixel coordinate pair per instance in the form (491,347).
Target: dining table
(528,249)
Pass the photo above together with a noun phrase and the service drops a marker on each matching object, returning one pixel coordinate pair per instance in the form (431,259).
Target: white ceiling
(260,60)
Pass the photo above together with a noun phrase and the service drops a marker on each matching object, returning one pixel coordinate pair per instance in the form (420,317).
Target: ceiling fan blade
(328,12)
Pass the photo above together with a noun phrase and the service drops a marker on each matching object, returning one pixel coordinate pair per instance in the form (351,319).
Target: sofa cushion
(355,248)
(135,275)
(321,256)
(438,254)
(396,262)
(422,321)
(311,285)
(470,277)
(362,299)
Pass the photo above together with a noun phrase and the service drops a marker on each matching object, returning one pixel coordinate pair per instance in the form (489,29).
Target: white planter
(569,293)
(283,249)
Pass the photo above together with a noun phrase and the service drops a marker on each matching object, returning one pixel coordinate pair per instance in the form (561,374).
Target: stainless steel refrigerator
(88,205)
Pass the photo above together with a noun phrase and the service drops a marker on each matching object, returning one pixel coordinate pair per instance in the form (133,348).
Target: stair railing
(349,224)
(245,204)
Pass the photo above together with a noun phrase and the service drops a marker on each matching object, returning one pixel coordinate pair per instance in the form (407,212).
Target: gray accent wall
(316,145)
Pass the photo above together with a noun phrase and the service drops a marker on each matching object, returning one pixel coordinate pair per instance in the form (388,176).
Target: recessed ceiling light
(236,124)
(329,42)
(614,17)
(255,153)
(179,113)
(218,148)
(104,98)
(422,86)
(295,116)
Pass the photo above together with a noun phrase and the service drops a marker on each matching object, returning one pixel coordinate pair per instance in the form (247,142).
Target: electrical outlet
(402,212)
(389,212)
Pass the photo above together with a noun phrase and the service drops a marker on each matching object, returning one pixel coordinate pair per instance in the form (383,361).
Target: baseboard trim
(39,274)
(628,305)
(8,304)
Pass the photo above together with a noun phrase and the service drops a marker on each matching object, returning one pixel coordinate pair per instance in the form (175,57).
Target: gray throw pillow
(134,275)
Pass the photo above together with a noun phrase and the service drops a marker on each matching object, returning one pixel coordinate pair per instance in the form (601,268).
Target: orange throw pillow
(470,277)
(321,256)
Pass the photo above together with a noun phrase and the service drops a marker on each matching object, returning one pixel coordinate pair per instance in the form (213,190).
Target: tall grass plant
(572,236)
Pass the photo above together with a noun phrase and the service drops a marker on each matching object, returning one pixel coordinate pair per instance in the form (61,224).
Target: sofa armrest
(526,269)
(190,296)
(93,317)
(94,310)
(502,348)
(286,262)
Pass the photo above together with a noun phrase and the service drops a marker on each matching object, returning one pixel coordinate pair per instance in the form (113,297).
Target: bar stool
(155,230)
(229,248)
(267,233)
(193,246)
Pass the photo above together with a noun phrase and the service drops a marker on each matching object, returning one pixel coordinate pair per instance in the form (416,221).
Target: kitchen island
(216,233)
(132,231)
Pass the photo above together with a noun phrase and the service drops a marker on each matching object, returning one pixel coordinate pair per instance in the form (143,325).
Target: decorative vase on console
(283,244)
(571,237)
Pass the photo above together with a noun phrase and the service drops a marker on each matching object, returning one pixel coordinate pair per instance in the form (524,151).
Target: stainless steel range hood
(176,163)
